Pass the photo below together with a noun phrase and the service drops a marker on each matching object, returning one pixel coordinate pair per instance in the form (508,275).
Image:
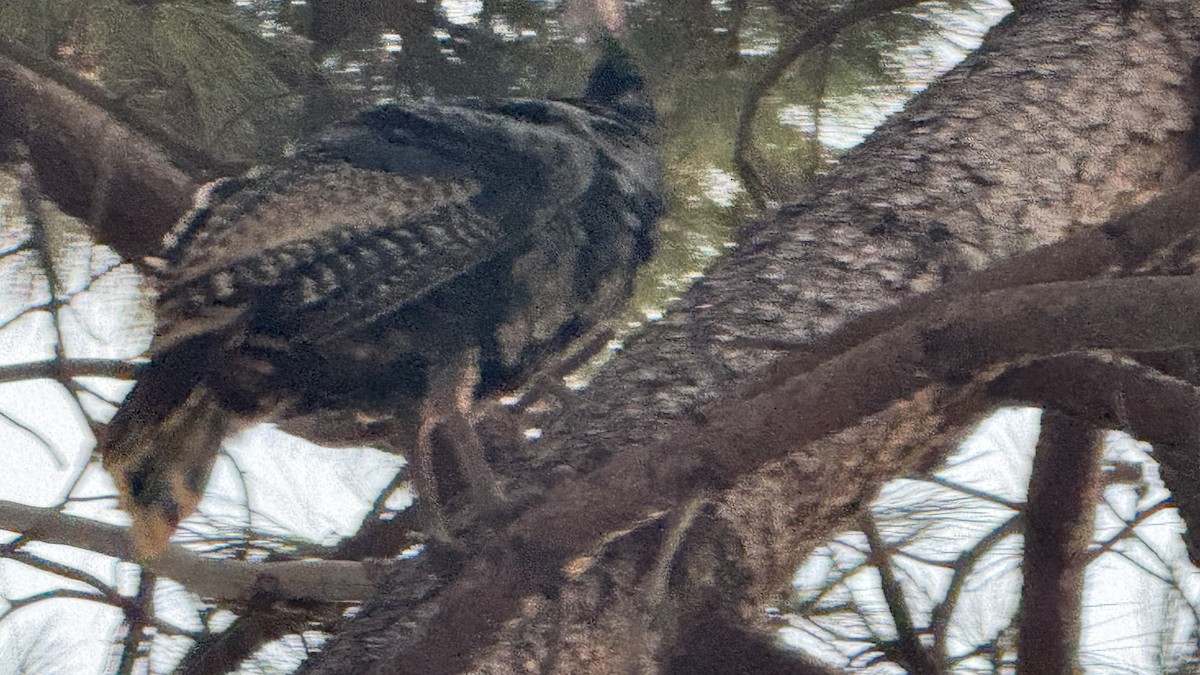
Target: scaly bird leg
(444,416)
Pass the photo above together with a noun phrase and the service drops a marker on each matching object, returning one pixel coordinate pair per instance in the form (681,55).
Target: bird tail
(159,449)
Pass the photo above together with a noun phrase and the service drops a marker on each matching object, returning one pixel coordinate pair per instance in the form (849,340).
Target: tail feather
(160,457)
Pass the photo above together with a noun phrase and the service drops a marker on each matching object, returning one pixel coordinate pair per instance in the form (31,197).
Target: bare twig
(1129,527)
(15,604)
(59,460)
(231,580)
(821,35)
(963,566)
(915,657)
(972,492)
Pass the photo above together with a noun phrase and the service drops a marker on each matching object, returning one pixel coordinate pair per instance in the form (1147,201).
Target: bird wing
(322,248)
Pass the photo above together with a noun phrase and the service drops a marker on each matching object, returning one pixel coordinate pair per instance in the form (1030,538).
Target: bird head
(616,83)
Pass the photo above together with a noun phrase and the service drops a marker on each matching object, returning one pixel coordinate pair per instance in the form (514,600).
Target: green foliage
(38,24)
(828,85)
(218,82)
(191,67)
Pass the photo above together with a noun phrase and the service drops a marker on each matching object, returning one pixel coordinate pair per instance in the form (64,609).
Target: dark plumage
(396,260)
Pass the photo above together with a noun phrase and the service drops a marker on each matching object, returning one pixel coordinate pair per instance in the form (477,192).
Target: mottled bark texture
(1069,114)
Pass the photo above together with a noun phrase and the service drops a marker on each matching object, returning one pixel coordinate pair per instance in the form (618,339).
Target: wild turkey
(423,253)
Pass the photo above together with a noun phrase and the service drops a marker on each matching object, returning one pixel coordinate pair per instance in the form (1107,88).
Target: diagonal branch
(92,165)
(223,652)
(1129,527)
(963,566)
(795,406)
(231,580)
(913,655)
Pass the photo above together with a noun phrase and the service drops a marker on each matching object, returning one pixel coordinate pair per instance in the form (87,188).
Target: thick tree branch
(795,406)
(1125,243)
(94,167)
(1059,519)
(1123,394)
(776,523)
(195,162)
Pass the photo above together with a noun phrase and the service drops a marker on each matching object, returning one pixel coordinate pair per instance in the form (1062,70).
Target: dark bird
(394,270)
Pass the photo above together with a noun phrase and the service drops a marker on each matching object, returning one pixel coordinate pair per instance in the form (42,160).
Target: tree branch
(223,652)
(93,166)
(1064,487)
(1124,394)
(794,406)
(903,212)
(55,369)
(1128,529)
(913,655)
(229,580)
(963,566)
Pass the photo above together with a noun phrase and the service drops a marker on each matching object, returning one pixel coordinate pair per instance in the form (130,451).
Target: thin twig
(59,569)
(821,35)
(963,566)
(13,250)
(915,656)
(248,528)
(31,198)
(972,492)
(1127,530)
(59,461)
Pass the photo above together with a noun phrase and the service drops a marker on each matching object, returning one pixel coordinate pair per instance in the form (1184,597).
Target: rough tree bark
(1067,115)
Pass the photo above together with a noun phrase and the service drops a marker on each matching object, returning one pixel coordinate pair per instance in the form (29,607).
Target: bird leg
(445,416)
